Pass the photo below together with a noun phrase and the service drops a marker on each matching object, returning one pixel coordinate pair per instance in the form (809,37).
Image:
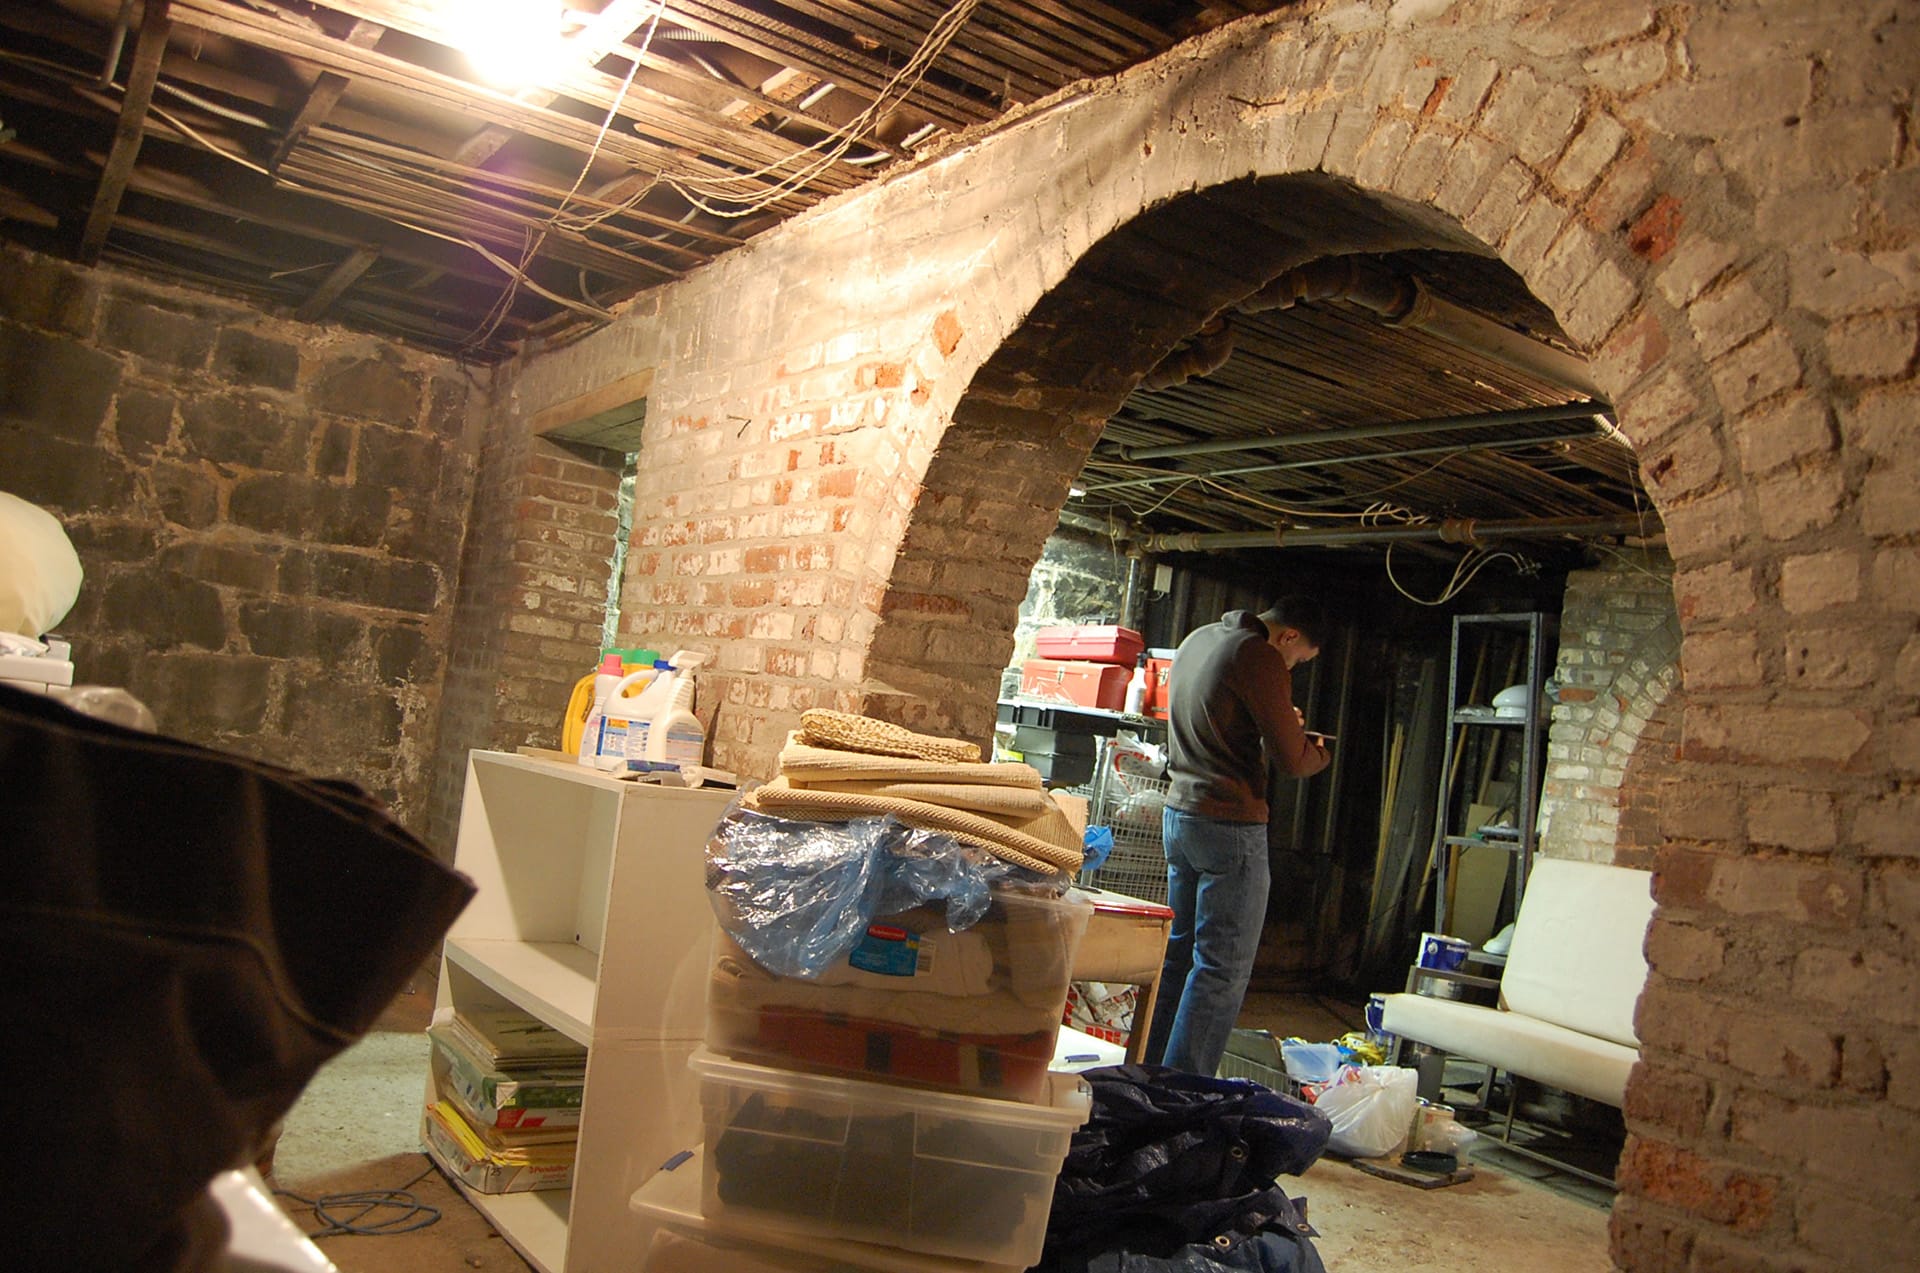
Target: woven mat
(1029,802)
(805,763)
(849,732)
(1004,842)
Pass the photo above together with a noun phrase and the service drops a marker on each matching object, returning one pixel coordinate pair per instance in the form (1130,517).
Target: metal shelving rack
(1129,804)
(1530,728)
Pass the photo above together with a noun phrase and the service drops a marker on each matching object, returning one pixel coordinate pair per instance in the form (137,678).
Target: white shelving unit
(591,915)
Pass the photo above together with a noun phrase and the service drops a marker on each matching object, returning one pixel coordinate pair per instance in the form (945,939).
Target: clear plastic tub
(869,1162)
(977,1012)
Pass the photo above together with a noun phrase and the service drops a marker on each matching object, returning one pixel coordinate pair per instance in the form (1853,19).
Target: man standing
(1230,715)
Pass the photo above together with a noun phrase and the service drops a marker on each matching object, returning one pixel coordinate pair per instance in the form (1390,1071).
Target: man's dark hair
(1304,615)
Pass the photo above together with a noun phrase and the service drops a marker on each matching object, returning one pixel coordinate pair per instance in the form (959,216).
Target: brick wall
(865,423)
(533,599)
(1616,670)
(269,514)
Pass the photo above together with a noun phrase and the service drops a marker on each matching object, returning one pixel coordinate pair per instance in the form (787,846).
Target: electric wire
(347,1213)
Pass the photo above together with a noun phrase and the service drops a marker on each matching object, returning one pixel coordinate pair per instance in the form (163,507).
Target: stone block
(69,477)
(99,541)
(245,430)
(369,389)
(56,385)
(248,358)
(410,462)
(1815,581)
(188,496)
(1876,347)
(298,630)
(167,609)
(176,341)
(357,578)
(226,565)
(45,293)
(212,696)
(143,423)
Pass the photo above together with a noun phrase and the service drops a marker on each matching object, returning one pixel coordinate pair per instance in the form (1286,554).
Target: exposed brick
(1695,264)
(1890,499)
(1830,658)
(1714,593)
(1681,1178)
(1588,154)
(1718,660)
(1686,465)
(1641,1237)
(1727,316)
(1803,821)
(1683,951)
(1663,1099)
(1874,347)
(1881,423)
(1815,736)
(1877,982)
(1888,825)
(1798,427)
(1848,1227)
(1628,68)
(1705,528)
(1793,503)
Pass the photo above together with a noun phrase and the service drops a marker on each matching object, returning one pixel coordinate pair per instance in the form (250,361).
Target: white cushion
(39,570)
(1578,956)
(1551,1054)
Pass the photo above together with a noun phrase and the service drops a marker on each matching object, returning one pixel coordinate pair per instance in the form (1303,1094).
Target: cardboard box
(1098,685)
(460,1151)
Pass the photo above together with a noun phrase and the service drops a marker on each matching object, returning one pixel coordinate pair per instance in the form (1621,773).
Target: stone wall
(1618,664)
(269,514)
(1081,577)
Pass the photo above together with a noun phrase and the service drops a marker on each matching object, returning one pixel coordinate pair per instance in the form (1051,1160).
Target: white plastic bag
(1371,1107)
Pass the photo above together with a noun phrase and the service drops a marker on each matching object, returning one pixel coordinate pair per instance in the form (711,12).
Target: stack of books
(506,1110)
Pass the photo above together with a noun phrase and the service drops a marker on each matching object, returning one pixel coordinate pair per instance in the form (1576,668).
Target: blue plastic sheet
(796,895)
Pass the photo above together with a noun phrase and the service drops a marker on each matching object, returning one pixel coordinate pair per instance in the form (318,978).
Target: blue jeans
(1217,880)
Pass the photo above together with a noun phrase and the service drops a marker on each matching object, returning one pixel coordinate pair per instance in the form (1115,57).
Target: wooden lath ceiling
(347,161)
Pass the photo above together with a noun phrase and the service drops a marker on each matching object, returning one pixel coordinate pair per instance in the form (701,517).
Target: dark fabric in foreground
(191,935)
(1174,1173)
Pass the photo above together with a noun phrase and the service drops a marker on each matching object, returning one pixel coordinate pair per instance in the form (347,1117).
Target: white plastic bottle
(605,677)
(624,736)
(1137,688)
(675,738)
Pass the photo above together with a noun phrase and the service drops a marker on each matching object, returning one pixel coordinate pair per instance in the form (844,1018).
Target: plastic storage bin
(977,1011)
(1081,684)
(1095,642)
(926,1171)
(684,1241)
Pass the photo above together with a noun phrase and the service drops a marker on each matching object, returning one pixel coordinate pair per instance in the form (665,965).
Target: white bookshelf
(591,915)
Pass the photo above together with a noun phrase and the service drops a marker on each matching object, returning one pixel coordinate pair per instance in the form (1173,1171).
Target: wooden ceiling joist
(155,26)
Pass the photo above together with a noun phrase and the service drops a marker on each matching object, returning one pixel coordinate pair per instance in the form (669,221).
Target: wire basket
(1128,800)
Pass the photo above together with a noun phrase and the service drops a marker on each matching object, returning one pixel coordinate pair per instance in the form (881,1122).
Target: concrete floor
(356,1127)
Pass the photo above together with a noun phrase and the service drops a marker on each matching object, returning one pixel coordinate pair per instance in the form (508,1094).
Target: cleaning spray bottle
(675,737)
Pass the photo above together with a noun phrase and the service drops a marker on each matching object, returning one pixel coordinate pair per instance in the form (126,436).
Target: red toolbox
(1084,684)
(1093,642)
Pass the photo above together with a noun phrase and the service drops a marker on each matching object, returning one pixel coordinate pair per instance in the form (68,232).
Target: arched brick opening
(994,486)
(1716,202)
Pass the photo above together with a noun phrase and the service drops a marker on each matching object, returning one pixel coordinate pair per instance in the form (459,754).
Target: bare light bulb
(513,44)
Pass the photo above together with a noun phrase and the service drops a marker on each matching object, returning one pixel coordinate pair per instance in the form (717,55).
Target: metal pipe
(1491,444)
(1459,531)
(1405,302)
(1361,432)
(115,43)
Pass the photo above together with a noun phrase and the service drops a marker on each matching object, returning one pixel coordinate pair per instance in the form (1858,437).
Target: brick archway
(1715,202)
